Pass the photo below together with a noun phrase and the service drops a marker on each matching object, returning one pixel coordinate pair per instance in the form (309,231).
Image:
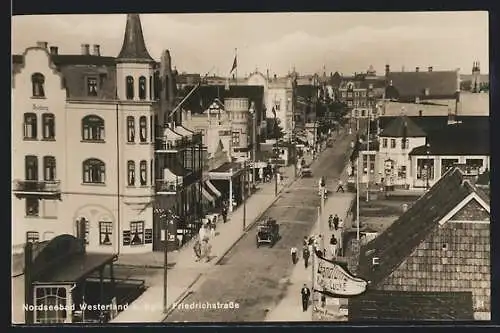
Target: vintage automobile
(268,232)
(306,171)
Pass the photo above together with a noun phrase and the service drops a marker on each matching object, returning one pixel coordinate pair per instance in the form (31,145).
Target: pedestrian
(330,222)
(323,300)
(278,178)
(336,222)
(213,226)
(305,241)
(207,249)
(333,246)
(293,252)
(197,250)
(305,254)
(224,214)
(306,293)
(340,188)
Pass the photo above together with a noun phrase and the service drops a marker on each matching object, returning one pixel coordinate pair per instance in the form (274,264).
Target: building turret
(134,48)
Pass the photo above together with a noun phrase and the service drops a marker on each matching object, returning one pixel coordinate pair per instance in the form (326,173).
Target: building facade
(86,149)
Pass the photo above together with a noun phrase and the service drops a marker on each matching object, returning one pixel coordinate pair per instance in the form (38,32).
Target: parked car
(306,171)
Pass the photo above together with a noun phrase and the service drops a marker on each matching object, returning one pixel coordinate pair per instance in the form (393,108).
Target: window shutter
(148,237)
(126,237)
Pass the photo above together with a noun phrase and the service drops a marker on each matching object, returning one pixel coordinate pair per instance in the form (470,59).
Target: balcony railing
(37,186)
(163,186)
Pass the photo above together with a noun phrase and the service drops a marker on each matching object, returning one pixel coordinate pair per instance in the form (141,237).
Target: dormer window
(92,86)
(38,81)
(142,88)
(129,87)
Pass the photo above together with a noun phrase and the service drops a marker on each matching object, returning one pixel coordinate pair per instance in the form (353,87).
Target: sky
(278,42)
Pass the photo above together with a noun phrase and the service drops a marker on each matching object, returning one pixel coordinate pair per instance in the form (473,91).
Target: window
(384,143)
(129,87)
(356,94)
(48,123)
(137,233)
(156,85)
(402,172)
(105,233)
(363,113)
(142,88)
(94,171)
(144,172)
(51,305)
(405,143)
(49,168)
(363,93)
(349,103)
(236,139)
(393,143)
(30,126)
(92,86)
(32,237)
(130,129)
(447,164)
(143,129)
(92,128)
(367,158)
(425,167)
(151,128)
(38,81)
(31,167)
(84,224)
(32,207)
(131,173)
(343,94)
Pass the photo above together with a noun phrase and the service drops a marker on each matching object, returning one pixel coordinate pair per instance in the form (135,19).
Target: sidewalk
(185,271)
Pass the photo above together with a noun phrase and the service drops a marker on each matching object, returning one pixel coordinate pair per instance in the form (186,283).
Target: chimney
(430,68)
(43,45)
(387,69)
(85,49)
(417,69)
(97,50)
(54,50)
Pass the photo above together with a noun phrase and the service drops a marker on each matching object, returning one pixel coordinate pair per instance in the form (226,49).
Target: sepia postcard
(273,167)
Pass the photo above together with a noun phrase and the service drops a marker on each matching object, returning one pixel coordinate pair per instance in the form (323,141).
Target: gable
(472,211)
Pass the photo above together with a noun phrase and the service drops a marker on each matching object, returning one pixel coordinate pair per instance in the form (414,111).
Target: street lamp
(254,139)
(428,167)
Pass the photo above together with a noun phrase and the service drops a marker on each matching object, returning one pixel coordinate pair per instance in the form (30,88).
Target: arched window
(143,129)
(142,88)
(49,126)
(31,167)
(131,173)
(30,126)
(130,129)
(37,82)
(83,229)
(49,168)
(129,87)
(92,128)
(94,171)
(144,172)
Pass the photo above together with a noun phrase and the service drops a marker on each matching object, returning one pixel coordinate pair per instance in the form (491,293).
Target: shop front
(228,180)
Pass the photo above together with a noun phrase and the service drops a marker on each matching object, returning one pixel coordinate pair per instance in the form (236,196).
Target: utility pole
(254,146)
(368,157)
(277,157)
(357,198)
(321,224)
(244,196)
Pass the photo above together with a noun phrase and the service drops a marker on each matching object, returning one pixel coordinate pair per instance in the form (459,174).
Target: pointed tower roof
(134,48)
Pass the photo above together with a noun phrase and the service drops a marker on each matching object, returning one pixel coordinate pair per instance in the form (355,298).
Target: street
(256,278)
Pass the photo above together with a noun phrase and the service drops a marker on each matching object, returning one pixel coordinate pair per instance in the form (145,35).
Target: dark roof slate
(409,306)
(436,123)
(440,84)
(402,126)
(134,48)
(398,241)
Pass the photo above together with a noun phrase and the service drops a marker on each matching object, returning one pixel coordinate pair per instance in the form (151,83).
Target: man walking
(306,293)
(333,246)
(340,188)
(197,250)
(336,222)
(305,255)
(224,213)
(293,252)
(330,222)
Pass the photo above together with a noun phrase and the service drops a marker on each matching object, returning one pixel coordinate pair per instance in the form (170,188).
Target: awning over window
(206,195)
(213,188)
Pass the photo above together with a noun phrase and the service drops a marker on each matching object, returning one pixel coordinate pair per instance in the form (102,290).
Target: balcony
(167,187)
(37,187)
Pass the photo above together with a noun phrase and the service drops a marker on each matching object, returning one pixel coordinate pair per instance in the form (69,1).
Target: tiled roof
(431,124)
(402,126)
(456,140)
(440,84)
(409,306)
(398,241)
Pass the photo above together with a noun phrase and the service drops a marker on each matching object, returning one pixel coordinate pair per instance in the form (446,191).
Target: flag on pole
(235,64)
(334,280)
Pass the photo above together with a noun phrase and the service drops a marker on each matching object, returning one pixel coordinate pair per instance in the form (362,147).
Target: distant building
(434,258)
(475,82)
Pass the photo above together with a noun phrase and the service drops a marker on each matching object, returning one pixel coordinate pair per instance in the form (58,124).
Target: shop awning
(213,188)
(206,195)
